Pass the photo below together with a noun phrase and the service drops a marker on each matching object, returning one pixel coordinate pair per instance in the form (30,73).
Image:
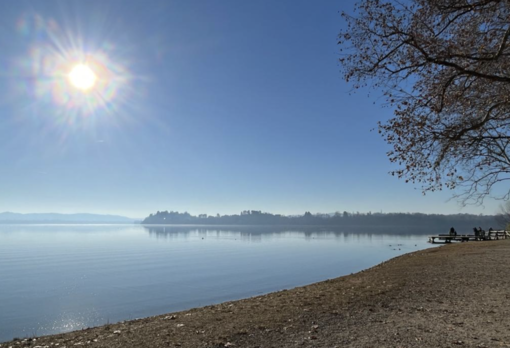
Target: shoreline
(454,295)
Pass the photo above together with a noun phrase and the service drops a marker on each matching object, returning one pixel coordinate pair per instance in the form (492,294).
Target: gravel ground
(455,295)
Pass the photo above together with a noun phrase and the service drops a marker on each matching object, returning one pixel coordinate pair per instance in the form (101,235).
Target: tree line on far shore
(257,217)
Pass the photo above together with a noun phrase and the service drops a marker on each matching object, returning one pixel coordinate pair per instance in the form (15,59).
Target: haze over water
(58,278)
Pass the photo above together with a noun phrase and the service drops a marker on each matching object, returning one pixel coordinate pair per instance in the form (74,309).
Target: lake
(58,278)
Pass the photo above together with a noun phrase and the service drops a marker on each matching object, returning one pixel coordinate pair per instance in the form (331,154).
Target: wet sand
(455,295)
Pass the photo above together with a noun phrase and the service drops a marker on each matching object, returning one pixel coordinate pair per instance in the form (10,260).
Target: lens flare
(82,77)
(70,75)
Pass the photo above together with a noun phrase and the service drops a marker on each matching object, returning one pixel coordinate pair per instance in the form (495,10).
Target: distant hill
(47,218)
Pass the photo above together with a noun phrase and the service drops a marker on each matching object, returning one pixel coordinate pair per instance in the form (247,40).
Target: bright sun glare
(78,82)
(82,77)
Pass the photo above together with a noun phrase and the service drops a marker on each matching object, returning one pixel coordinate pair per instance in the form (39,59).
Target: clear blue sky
(199,106)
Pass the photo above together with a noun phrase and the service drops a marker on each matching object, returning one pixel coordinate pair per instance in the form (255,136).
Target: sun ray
(79,78)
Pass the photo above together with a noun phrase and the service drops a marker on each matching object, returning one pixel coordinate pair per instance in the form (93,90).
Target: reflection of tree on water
(257,233)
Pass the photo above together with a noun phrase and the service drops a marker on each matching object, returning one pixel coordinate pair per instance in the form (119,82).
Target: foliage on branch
(444,66)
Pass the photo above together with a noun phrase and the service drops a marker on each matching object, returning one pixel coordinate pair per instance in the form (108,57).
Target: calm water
(56,278)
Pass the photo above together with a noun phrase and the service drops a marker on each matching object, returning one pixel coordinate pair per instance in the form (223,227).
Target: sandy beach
(454,295)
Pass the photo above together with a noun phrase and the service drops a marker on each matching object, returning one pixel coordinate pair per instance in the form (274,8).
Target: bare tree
(444,66)
(503,217)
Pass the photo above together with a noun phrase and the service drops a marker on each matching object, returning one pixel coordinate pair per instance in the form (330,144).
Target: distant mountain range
(46,218)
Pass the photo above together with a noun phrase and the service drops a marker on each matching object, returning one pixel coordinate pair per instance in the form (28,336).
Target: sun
(82,77)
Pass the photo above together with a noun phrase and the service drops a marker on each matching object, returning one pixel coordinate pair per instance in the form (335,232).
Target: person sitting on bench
(453,232)
(481,233)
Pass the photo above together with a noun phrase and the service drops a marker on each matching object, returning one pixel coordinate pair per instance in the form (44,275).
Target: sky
(199,106)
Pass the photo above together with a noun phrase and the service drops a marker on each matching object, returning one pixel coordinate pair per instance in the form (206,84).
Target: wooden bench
(488,235)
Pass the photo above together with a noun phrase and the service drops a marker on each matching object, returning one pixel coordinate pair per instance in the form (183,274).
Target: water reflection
(255,233)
